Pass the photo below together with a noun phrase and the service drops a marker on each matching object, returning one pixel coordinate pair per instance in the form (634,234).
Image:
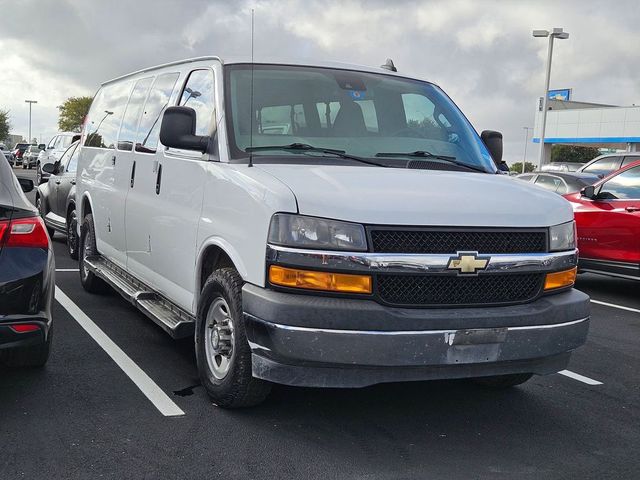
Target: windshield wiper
(305,147)
(425,154)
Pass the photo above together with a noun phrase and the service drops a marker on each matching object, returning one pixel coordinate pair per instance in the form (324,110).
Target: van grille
(459,290)
(452,241)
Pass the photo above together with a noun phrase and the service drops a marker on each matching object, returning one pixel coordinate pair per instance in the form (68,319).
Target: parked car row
(607,213)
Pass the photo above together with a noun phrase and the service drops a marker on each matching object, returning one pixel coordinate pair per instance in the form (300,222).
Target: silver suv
(55,148)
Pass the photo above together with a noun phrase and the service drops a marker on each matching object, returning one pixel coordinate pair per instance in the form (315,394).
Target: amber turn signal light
(566,278)
(329,282)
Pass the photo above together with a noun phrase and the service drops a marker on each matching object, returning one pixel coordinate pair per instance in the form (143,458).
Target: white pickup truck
(322,225)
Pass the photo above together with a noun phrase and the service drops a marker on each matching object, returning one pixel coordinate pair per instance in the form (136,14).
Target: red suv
(608,222)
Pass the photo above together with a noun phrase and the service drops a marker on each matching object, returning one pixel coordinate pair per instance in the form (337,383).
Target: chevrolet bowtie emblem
(467,262)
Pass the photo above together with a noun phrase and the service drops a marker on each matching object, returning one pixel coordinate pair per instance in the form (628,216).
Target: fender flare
(227,248)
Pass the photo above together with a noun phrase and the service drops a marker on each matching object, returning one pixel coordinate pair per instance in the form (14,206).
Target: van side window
(132,113)
(105,115)
(157,101)
(73,161)
(198,94)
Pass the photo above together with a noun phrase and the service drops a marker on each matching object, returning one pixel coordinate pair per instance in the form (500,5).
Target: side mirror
(493,142)
(49,168)
(178,130)
(26,184)
(42,146)
(589,192)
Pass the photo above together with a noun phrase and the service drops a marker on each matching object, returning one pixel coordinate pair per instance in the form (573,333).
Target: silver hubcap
(219,338)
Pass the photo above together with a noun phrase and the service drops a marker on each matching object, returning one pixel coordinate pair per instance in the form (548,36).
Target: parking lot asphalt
(83,417)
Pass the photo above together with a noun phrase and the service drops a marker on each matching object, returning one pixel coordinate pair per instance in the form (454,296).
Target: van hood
(400,196)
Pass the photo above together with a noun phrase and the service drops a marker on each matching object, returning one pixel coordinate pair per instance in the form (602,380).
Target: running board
(172,319)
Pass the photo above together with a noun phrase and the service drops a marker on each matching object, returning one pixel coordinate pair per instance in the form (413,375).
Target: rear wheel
(503,381)
(87,248)
(31,356)
(72,234)
(222,350)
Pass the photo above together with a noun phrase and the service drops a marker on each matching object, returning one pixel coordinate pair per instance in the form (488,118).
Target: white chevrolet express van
(322,225)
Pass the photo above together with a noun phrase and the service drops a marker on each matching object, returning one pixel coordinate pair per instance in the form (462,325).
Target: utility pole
(560,34)
(526,140)
(30,102)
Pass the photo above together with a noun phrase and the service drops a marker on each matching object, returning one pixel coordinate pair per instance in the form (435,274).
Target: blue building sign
(560,94)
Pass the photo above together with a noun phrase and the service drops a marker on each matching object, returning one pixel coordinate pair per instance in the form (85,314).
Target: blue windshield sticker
(356,94)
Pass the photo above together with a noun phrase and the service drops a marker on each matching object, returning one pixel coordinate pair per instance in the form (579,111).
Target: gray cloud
(480,52)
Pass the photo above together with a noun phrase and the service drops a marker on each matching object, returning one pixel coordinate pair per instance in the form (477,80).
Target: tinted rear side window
(158,100)
(132,113)
(604,166)
(630,159)
(105,115)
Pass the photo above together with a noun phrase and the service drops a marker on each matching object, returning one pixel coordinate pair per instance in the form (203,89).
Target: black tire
(72,234)
(50,230)
(30,166)
(24,167)
(31,356)
(238,388)
(503,381)
(87,248)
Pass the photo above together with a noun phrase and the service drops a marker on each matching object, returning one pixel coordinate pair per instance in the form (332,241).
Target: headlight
(319,233)
(562,237)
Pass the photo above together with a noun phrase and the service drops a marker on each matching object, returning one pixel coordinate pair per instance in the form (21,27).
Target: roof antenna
(251,101)
(388,65)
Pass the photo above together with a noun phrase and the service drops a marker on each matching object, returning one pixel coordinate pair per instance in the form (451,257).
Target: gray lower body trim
(380,344)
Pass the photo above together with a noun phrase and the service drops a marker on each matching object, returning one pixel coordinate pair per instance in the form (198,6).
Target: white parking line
(148,387)
(67,270)
(613,305)
(580,378)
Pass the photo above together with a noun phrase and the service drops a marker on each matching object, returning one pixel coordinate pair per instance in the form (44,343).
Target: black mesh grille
(434,290)
(452,241)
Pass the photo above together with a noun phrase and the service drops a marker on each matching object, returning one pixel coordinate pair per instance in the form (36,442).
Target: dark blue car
(26,276)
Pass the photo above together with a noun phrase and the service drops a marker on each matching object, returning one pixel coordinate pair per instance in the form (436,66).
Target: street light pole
(562,35)
(30,102)
(526,140)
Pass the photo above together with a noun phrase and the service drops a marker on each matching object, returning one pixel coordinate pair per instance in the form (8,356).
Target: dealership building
(588,124)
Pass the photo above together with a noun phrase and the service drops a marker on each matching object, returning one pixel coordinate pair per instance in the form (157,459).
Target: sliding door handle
(133,174)
(159,179)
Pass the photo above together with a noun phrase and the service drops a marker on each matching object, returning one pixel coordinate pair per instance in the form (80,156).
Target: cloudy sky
(481,52)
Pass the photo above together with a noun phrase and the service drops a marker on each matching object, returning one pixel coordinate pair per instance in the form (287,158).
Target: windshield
(363,114)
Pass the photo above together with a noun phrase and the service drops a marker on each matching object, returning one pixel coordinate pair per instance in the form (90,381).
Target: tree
(72,113)
(5,124)
(517,167)
(572,153)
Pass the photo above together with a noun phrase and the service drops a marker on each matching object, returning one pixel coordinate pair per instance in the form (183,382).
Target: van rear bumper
(534,338)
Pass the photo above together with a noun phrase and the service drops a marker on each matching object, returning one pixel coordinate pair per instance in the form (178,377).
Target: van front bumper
(316,341)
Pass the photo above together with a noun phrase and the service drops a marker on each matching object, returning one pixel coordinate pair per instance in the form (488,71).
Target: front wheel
(503,381)
(222,350)
(72,234)
(87,248)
